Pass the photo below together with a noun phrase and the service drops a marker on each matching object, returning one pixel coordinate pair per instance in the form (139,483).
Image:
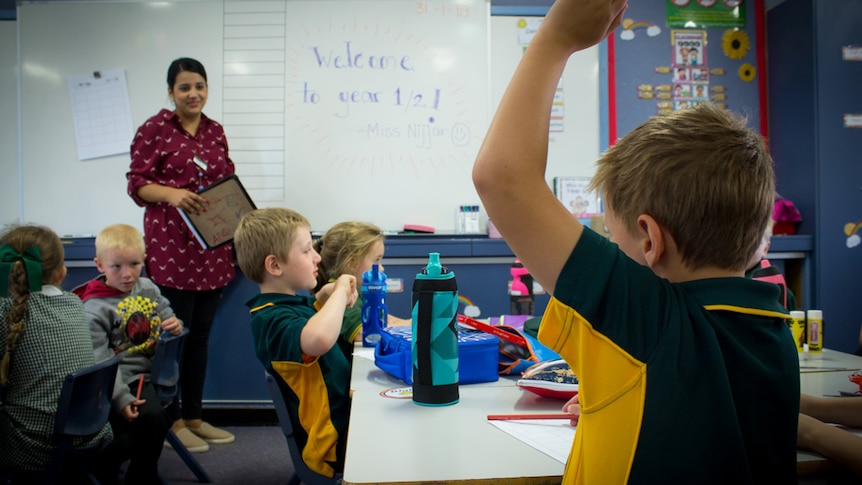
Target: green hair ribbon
(32,260)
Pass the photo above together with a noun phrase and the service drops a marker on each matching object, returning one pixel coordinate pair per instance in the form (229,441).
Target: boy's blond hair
(344,245)
(265,232)
(702,174)
(119,236)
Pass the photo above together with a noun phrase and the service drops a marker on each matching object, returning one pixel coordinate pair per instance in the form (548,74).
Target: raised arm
(509,173)
(322,330)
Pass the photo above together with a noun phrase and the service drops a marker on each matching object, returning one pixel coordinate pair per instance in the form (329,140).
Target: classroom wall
(646,46)
(574,143)
(311,156)
(9,121)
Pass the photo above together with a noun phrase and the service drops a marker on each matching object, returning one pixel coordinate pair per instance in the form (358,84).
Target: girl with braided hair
(44,336)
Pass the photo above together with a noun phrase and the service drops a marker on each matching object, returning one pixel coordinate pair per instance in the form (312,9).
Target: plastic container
(815,334)
(797,328)
(434,349)
(521,298)
(375,314)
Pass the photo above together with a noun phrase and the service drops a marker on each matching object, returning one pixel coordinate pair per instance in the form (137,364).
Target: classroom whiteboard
(62,39)
(8,118)
(340,109)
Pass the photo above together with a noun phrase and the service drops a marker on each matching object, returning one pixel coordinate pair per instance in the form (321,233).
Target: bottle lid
(374,277)
(518,269)
(797,314)
(434,270)
(815,314)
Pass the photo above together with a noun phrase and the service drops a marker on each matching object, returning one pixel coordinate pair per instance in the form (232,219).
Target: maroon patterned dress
(163,153)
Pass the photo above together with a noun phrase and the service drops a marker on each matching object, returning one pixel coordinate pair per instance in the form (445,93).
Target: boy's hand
(347,284)
(579,24)
(573,407)
(130,411)
(172,325)
(321,331)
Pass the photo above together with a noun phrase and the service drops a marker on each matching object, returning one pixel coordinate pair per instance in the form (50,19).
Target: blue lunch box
(478,355)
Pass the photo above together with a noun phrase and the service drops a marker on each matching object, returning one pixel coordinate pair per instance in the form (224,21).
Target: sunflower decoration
(747,72)
(735,43)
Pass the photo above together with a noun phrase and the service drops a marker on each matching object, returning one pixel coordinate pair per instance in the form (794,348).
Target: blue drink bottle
(435,335)
(374,311)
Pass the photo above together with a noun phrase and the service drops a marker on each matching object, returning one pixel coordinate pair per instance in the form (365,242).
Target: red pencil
(140,387)
(499,332)
(506,417)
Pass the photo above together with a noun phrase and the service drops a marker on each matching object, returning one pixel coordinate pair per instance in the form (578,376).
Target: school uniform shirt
(678,382)
(127,325)
(55,343)
(316,389)
(351,325)
(163,153)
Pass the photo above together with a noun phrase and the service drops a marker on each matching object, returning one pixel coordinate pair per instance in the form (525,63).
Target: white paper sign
(101,112)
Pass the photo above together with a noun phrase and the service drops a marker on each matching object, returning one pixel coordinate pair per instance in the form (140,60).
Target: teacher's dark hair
(184,64)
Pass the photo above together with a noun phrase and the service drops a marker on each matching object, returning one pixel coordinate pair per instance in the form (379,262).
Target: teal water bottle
(435,335)
(374,311)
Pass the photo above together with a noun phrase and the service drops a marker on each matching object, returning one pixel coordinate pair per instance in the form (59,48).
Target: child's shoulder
(281,305)
(146,283)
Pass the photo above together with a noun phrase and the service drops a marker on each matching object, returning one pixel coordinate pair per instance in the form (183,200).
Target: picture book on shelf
(573,193)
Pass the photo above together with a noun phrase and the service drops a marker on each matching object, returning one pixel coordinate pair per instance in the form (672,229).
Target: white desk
(826,382)
(830,361)
(396,441)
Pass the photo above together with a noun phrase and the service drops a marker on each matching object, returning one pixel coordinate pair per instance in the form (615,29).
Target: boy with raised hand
(127,315)
(295,336)
(687,370)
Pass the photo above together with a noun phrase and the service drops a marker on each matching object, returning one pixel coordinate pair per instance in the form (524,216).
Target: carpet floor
(259,456)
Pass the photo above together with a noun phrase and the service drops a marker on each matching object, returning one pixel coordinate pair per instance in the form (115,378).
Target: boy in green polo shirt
(687,371)
(295,335)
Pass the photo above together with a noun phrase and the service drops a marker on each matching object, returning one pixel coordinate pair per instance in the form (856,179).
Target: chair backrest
(85,400)
(165,373)
(82,410)
(307,475)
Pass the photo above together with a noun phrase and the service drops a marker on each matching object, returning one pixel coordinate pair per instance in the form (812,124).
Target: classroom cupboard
(481,266)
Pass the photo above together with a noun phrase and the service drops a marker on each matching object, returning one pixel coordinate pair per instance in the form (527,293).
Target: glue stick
(797,328)
(815,334)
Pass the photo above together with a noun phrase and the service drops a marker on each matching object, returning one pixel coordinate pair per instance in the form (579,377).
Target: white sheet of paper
(102,113)
(553,437)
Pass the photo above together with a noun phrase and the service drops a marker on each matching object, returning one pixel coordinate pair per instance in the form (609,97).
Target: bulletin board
(645,62)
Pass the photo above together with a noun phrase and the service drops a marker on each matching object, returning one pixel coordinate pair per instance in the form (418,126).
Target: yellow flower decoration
(735,43)
(747,72)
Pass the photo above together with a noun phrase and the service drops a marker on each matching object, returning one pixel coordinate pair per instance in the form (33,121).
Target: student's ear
(272,265)
(653,240)
(98,265)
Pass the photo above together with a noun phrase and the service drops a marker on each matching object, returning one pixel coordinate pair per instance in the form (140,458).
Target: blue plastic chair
(302,474)
(165,376)
(82,410)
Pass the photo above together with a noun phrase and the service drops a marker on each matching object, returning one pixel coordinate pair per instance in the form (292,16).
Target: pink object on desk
(418,228)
